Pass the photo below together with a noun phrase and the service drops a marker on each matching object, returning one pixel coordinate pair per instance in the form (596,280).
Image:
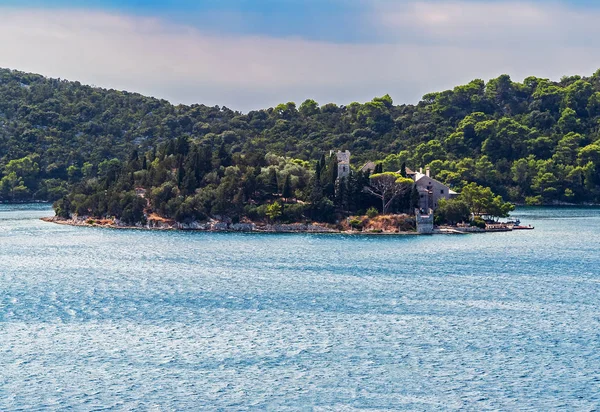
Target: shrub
(533,200)
(355,223)
(251,212)
(372,212)
(293,212)
(274,211)
(478,222)
(408,224)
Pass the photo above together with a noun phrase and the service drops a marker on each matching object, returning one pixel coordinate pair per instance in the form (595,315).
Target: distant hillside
(537,140)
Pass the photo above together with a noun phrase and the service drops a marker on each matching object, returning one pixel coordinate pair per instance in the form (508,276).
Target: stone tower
(343,159)
(424,222)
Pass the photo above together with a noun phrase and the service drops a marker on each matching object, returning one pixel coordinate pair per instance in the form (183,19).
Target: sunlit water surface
(135,320)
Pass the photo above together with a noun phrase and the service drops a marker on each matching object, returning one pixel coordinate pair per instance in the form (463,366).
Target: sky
(250,54)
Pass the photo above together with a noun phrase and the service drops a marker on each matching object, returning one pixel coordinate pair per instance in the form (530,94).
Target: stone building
(343,159)
(430,190)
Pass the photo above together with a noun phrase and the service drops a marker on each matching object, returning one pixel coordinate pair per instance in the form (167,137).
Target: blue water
(95,319)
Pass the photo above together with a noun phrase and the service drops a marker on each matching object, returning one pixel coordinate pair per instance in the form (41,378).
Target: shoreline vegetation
(402,225)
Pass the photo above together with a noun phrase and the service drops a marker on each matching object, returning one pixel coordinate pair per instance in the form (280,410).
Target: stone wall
(424,222)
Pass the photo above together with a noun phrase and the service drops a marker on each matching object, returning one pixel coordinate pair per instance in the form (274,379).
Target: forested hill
(538,140)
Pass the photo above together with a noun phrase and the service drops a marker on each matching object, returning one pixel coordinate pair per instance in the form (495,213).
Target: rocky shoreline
(220,226)
(210,226)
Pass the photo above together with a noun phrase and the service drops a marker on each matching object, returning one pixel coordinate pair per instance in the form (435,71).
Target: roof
(369,166)
(407,170)
(419,176)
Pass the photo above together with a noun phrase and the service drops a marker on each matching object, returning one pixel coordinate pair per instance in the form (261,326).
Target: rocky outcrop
(210,226)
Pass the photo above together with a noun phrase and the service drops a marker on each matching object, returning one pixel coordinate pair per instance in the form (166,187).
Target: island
(107,155)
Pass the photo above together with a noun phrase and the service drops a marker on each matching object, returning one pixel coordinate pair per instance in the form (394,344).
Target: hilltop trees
(491,133)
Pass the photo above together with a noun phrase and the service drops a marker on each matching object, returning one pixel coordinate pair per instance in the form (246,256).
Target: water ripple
(94,319)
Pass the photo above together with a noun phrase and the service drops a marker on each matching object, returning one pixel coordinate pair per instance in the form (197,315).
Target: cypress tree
(318,171)
(286,191)
(224,156)
(170,148)
(322,163)
(414,199)
(180,176)
(341,193)
(272,186)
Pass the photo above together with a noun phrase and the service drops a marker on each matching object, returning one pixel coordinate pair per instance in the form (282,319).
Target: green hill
(538,140)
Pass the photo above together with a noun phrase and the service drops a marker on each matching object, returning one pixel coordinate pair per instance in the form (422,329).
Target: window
(442,191)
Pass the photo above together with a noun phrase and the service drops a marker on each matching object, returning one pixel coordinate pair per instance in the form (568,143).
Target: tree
(414,199)
(12,187)
(274,211)
(308,108)
(482,201)
(453,211)
(272,186)
(388,186)
(286,190)
(589,153)
(546,185)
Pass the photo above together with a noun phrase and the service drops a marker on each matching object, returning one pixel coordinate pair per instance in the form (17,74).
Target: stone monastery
(430,189)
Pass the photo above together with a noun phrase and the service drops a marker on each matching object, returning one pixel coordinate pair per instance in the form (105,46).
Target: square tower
(343,159)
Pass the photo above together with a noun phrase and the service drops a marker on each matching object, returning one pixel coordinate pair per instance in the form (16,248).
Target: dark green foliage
(537,139)
(372,212)
(286,191)
(478,222)
(452,211)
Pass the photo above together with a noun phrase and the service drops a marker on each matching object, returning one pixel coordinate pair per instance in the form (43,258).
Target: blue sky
(248,54)
(323,20)
(330,20)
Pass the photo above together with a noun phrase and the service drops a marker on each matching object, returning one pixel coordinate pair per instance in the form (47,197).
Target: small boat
(513,221)
(519,227)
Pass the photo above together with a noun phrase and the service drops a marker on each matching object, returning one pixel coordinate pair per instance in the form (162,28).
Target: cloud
(500,23)
(424,47)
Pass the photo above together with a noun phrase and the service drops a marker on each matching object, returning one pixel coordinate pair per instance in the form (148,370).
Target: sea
(98,319)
